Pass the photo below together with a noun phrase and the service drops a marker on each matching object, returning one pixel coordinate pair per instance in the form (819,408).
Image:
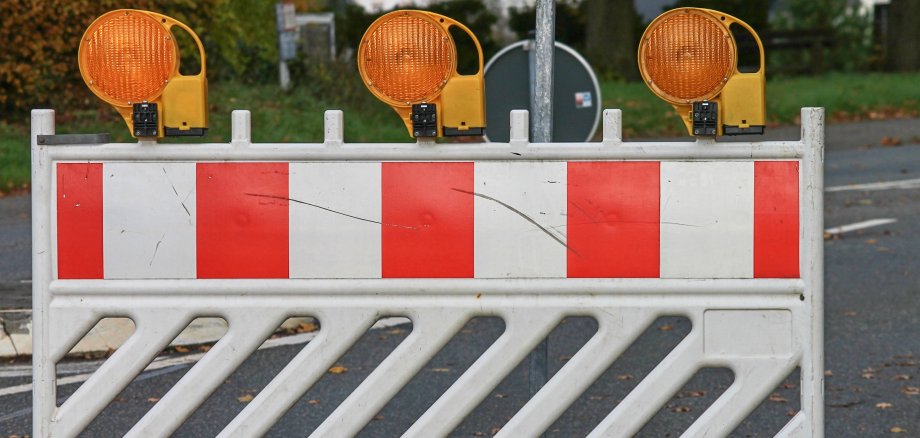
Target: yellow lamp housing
(408,59)
(689,58)
(130,59)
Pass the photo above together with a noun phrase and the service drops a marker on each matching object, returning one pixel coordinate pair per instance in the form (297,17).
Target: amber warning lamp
(408,59)
(130,59)
(689,58)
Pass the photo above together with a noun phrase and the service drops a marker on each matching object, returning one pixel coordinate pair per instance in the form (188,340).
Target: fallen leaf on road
(850,314)
(828,373)
(791,413)
(789,386)
(338,369)
(871,241)
(306,327)
(911,390)
(378,418)
(246,398)
(681,409)
(665,328)
(883,405)
(897,429)
(902,377)
(313,402)
(622,377)
(153,399)
(440,370)
(500,396)
(181,349)
(777,398)
(848,404)
(891,141)
(495,430)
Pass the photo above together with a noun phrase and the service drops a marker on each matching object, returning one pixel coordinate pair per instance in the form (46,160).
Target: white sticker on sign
(583,99)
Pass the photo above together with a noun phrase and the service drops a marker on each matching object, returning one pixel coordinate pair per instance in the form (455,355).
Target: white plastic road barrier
(728,235)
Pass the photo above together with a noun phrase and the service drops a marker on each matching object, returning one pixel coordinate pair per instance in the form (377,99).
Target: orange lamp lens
(127,57)
(686,56)
(406,58)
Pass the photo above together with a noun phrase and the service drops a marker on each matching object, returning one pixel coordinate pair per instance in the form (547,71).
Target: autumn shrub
(40,39)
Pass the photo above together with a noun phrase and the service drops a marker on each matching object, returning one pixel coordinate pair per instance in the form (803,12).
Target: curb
(110,333)
(15,333)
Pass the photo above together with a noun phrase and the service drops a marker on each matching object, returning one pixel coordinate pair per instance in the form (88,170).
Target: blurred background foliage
(38,64)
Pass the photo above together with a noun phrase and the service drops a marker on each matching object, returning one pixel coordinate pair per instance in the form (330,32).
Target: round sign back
(509,84)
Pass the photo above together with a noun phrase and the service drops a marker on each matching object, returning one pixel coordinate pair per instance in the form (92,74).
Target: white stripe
(507,243)
(335,227)
(707,219)
(859,226)
(884,185)
(148,220)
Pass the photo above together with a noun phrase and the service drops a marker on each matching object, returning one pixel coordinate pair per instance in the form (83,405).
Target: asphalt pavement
(872,334)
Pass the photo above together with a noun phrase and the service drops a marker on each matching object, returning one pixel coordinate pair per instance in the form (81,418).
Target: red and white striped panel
(546,219)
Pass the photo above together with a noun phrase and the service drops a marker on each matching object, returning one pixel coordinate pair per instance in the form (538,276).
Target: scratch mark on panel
(585,212)
(156,248)
(521,214)
(284,198)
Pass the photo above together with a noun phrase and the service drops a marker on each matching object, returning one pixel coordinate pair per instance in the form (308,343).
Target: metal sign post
(543,77)
(542,133)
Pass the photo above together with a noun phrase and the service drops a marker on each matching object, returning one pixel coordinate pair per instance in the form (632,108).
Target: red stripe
(776,219)
(427,220)
(613,219)
(242,220)
(79,220)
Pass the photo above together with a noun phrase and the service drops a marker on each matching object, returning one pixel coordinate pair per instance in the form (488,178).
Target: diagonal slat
(797,427)
(431,330)
(616,332)
(153,332)
(523,331)
(247,330)
(754,379)
(339,330)
(655,389)
(70,325)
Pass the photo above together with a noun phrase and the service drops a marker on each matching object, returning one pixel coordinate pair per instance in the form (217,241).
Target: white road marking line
(884,185)
(165,362)
(859,226)
(143,376)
